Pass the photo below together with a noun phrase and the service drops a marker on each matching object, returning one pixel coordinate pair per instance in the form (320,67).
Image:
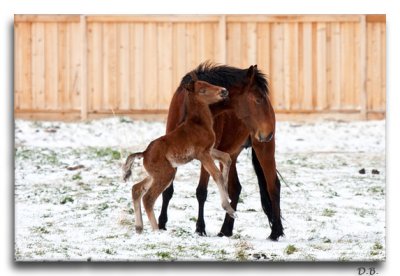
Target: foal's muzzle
(224,93)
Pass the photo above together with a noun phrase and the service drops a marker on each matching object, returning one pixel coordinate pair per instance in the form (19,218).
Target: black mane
(226,76)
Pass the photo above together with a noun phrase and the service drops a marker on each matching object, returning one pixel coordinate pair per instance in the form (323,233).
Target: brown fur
(248,113)
(194,139)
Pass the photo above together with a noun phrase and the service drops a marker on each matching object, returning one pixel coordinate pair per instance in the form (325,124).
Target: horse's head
(253,107)
(206,92)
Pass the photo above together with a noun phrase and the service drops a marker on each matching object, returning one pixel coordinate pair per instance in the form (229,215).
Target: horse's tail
(265,197)
(127,168)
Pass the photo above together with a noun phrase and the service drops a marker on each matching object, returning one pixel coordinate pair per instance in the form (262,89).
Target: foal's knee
(148,201)
(136,192)
(228,161)
(218,177)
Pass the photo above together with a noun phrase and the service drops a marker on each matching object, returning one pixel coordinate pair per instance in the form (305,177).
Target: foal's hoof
(139,229)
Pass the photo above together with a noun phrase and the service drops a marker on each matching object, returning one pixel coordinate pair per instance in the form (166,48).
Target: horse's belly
(181,156)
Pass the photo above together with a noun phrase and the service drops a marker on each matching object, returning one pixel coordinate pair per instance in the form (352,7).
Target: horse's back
(176,110)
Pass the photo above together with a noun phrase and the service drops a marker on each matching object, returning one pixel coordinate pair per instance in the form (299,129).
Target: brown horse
(194,139)
(246,119)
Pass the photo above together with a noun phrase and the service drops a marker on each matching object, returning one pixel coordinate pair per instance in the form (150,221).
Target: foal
(193,139)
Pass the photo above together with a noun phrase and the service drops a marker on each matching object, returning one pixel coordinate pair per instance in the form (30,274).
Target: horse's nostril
(270,136)
(263,138)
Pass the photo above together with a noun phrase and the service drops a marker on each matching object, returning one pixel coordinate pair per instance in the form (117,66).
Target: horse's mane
(225,76)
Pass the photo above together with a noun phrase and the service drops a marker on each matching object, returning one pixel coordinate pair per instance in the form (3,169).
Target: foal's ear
(189,86)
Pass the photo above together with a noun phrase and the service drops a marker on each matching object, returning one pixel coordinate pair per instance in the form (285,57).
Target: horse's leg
(201,194)
(166,197)
(265,168)
(216,174)
(234,189)
(137,192)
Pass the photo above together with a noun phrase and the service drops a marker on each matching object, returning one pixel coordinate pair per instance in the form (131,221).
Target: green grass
(290,249)
(66,199)
(107,152)
(328,212)
(164,255)
(103,206)
(77,176)
(40,230)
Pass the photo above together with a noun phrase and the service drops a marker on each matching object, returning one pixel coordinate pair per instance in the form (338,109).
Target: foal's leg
(226,161)
(137,192)
(161,181)
(209,165)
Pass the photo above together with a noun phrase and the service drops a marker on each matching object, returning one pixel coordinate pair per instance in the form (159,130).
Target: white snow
(331,211)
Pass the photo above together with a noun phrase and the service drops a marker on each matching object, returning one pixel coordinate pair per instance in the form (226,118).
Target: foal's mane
(225,76)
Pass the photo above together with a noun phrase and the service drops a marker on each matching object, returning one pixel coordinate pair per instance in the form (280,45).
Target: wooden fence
(84,66)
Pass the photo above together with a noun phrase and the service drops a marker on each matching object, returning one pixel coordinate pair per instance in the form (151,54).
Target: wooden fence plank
(164,51)
(83,67)
(51,61)
(321,94)
(150,66)
(123,83)
(75,47)
(38,66)
(277,81)
(137,60)
(306,96)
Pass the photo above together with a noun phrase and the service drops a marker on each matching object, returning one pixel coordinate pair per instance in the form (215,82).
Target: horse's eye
(202,90)
(258,101)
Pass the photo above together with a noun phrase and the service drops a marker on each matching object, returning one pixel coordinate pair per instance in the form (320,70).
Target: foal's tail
(127,168)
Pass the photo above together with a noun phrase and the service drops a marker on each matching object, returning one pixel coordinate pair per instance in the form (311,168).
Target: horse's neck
(199,112)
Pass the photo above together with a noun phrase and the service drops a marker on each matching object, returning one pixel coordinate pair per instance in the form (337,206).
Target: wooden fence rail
(71,66)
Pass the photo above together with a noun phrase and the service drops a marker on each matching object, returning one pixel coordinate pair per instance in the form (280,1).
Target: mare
(247,119)
(193,139)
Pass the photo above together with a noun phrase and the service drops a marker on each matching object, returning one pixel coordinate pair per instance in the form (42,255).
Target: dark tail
(265,198)
(127,168)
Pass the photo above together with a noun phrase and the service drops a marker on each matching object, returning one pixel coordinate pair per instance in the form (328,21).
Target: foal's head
(206,92)
(253,107)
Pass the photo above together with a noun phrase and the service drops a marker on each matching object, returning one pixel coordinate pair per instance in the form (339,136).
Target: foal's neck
(198,112)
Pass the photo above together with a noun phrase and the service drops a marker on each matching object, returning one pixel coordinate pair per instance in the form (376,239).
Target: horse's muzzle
(265,139)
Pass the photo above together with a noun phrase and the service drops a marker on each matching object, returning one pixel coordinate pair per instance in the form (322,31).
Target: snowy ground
(331,211)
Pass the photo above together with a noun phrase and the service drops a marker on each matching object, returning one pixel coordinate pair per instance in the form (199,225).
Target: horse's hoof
(162,227)
(201,229)
(139,229)
(222,234)
(201,233)
(273,237)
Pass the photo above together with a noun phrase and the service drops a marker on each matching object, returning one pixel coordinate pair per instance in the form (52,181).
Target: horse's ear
(189,86)
(251,72)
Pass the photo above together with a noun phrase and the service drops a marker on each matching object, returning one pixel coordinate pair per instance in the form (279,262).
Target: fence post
(363,68)
(84,92)
(222,39)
